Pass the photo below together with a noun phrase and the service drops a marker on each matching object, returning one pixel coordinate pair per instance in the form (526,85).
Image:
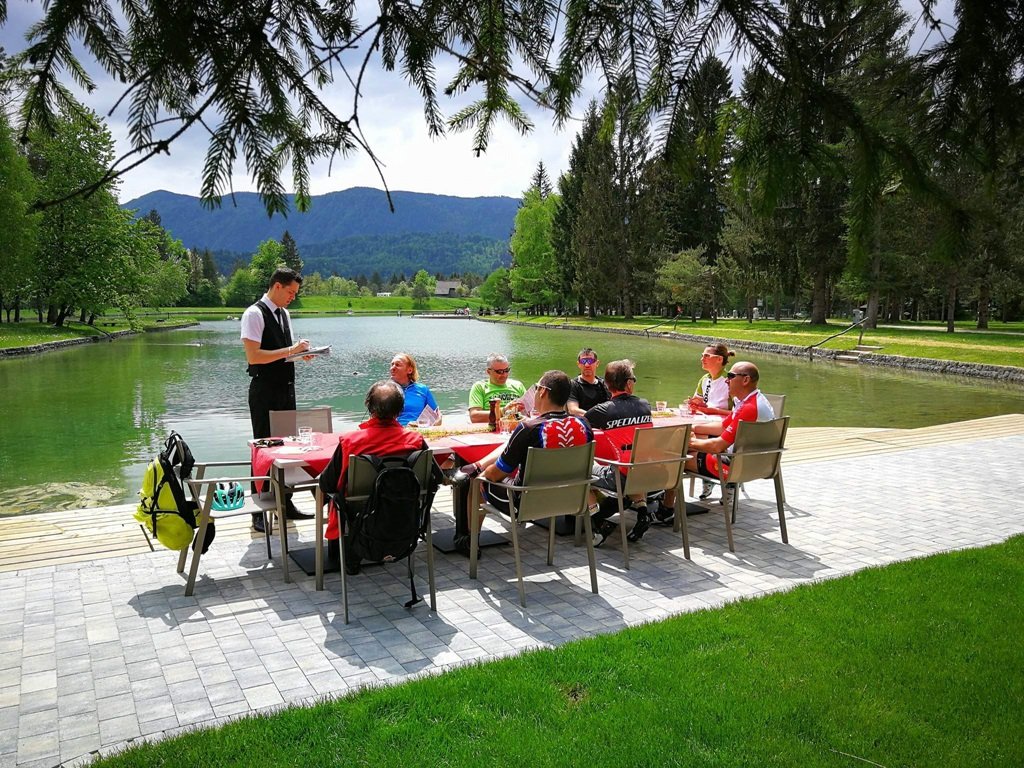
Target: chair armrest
(205,464)
(538,487)
(195,483)
(628,464)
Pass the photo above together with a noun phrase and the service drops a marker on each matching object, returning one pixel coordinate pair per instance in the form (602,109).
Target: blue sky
(392,115)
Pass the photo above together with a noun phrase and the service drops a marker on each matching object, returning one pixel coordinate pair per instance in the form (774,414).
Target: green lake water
(79,425)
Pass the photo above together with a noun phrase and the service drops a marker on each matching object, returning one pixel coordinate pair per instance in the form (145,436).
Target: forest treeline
(756,202)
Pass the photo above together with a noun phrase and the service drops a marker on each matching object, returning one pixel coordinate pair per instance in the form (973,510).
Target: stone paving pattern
(95,656)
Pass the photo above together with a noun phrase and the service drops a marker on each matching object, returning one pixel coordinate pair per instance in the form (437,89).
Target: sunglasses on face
(709,354)
(538,385)
(501,371)
(732,375)
(588,360)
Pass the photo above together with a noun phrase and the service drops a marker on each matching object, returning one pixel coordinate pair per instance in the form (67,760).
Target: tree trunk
(951,305)
(51,314)
(81,316)
(819,303)
(984,304)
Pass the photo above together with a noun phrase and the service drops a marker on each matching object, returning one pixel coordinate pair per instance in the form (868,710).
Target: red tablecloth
(468,448)
(313,461)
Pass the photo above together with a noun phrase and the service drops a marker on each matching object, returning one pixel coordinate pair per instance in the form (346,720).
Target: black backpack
(389,524)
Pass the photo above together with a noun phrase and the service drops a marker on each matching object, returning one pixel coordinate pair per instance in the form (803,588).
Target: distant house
(383,293)
(447,287)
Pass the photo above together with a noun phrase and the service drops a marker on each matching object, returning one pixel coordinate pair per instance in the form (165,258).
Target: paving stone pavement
(95,656)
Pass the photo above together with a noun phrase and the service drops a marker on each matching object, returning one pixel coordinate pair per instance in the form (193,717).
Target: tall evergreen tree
(540,181)
(570,190)
(696,156)
(792,129)
(291,252)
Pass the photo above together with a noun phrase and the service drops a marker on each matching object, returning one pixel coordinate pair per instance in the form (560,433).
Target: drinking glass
(306,435)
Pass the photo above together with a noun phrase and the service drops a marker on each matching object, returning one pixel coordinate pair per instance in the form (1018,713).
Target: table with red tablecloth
(464,447)
(313,458)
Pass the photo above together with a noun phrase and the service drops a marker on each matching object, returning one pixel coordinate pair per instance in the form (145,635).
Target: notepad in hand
(312,351)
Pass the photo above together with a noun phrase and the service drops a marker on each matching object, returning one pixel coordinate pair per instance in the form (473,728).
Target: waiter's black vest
(273,338)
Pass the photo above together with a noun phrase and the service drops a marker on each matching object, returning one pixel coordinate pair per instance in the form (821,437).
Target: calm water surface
(79,425)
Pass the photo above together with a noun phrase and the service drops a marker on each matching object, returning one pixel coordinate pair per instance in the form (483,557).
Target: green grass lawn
(28,333)
(915,664)
(1003,344)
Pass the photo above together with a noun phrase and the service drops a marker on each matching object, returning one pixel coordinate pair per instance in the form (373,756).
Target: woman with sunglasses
(712,393)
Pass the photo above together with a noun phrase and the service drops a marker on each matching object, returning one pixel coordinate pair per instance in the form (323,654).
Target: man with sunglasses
(750,405)
(497,384)
(552,427)
(587,390)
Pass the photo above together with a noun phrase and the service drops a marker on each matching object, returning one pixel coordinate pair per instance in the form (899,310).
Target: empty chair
(756,455)
(290,475)
(285,423)
(555,482)
(777,402)
(656,463)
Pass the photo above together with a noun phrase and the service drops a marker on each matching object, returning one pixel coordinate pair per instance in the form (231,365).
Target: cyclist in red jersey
(751,405)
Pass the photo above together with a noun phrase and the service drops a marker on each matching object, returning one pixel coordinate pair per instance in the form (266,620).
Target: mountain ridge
(348,231)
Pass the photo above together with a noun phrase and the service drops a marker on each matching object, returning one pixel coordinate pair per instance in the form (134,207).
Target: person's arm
(503,460)
(494,473)
(709,444)
(709,429)
(485,463)
(573,407)
(478,411)
(256,356)
(331,480)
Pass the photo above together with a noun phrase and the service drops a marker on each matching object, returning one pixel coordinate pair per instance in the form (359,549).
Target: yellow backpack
(164,509)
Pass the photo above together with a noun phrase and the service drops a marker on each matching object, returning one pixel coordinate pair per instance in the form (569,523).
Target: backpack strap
(412,585)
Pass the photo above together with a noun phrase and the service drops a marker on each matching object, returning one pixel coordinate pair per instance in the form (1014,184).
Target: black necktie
(282,320)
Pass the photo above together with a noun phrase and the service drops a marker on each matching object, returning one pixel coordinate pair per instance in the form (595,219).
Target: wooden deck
(52,538)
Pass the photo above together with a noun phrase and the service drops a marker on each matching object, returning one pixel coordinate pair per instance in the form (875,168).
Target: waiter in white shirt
(267,338)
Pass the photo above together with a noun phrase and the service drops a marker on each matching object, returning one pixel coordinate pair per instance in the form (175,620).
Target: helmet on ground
(228,496)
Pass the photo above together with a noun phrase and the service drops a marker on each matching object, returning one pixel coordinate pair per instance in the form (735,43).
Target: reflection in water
(94,415)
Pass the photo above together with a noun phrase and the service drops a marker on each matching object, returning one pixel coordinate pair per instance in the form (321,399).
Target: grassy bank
(1002,345)
(28,333)
(917,663)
